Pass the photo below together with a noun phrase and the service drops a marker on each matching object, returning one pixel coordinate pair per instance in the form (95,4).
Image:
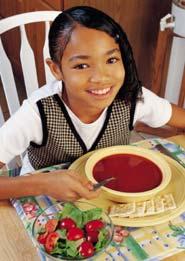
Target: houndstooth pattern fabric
(61,142)
(117,131)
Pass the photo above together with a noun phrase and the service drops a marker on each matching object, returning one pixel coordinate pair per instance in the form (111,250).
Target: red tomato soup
(133,173)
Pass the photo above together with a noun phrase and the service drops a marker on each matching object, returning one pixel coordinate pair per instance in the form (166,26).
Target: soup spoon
(102,183)
(165,151)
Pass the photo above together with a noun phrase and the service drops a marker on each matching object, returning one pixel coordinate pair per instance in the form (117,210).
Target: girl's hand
(67,185)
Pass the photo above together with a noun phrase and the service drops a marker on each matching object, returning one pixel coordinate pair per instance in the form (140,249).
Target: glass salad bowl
(72,231)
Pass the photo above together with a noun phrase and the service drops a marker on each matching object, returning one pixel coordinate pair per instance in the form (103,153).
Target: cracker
(122,210)
(154,206)
(150,208)
(140,209)
(169,202)
(159,204)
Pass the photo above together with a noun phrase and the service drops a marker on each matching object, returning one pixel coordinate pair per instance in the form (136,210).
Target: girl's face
(93,72)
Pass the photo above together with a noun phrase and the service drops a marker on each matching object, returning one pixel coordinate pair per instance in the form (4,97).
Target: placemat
(145,243)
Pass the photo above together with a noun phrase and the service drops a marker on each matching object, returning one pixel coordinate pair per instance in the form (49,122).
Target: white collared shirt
(25,125)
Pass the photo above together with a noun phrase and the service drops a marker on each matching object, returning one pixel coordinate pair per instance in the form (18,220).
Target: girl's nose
(99,75)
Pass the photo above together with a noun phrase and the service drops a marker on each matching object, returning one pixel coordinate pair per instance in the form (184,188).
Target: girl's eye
(113,60)
(81,66)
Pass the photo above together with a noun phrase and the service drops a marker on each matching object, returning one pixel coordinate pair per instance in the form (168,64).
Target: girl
(94,103)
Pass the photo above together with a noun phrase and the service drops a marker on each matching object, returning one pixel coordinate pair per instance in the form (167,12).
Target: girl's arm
(18,131)
(11,187)
(178,117)
(63,185)
(15,187)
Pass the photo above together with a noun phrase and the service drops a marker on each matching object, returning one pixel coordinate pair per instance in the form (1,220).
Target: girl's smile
(92,71)
(101,93)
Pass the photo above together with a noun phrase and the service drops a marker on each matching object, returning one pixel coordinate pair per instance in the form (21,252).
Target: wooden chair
(160,77)
(27,58)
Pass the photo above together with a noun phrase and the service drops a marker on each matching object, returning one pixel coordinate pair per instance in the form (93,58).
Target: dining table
(17,245)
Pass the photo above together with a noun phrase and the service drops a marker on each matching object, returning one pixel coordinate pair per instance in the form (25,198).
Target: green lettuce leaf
(91,214)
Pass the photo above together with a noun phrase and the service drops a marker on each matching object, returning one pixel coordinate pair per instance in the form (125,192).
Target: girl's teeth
(100,92)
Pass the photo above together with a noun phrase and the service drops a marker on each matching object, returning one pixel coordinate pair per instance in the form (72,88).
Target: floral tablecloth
(146,243)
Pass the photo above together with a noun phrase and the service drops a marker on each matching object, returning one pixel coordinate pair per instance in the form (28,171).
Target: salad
(73,233)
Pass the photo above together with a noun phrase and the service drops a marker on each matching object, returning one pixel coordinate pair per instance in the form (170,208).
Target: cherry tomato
(92,236)
(51,241)
(42,238)
(67,223)
(86,249)
(94,225)
(51,225)
(75,234)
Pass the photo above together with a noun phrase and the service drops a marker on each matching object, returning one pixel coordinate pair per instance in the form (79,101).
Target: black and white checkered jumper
(62,143)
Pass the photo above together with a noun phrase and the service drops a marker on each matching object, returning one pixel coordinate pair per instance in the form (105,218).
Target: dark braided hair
(63,26)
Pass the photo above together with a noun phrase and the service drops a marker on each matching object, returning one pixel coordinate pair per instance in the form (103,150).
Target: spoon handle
(102,183)
(163,150)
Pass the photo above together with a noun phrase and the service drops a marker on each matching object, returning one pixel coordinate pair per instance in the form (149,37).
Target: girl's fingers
(83,180)
(84,192)
(72,196)
(75,186)
(89,185)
